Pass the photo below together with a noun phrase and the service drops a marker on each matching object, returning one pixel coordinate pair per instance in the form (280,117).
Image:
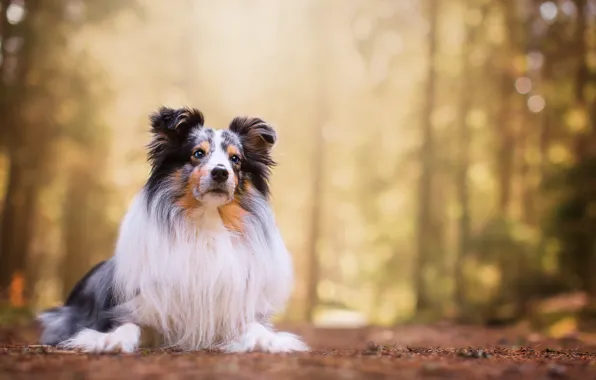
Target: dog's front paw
(124,339)
(282,342)
(260,338)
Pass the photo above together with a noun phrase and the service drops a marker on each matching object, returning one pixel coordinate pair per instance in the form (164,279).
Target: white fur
(202,286)
(125,338)
(219,157)
(260,338)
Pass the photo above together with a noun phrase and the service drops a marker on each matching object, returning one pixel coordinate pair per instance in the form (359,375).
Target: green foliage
(12,316)
(573,221)
(503,271)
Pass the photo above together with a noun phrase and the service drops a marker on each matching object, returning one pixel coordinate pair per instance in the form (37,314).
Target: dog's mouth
(217,191)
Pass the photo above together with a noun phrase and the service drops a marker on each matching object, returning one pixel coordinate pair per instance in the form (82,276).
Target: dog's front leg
(260,337)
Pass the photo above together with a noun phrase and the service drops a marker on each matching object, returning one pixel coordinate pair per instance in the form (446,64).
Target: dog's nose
(219,174)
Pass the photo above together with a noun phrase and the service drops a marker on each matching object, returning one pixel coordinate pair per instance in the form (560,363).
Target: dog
(199,259)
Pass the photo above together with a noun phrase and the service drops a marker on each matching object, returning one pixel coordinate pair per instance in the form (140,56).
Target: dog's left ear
(257,138)
(256,134)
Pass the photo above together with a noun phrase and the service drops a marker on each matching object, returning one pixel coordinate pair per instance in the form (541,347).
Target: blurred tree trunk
(529,138)
(506,147)
(76,230)
(426,241)
(585,153)
(318,162)
(4,32)
(546,127)
(5,270)
(527,190)
(16,230)
(505,131)
(463,164)
(584,142)
(25,168)
(315,225)
(464,138)
(88,234)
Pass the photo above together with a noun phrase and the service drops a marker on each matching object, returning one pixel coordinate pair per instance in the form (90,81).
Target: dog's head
(195,165)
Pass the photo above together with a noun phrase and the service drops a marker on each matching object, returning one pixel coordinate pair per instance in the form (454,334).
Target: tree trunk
(29,135)
(525,140)
(546,123)
(315,227)
(426,241)
(318,167)
(586,150)
(506,147)
(4,144)
(463,164)
(4,30)
(16,228)
(505,130)
(76,258)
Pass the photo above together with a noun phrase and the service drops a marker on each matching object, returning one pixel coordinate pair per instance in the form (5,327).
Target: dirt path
(409,352)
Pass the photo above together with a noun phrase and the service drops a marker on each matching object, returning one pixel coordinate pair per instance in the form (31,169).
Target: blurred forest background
(437,158)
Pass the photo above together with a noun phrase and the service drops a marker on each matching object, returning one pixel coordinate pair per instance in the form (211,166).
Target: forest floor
(440,351)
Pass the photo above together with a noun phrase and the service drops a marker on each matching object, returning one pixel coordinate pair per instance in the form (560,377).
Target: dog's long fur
(199,260)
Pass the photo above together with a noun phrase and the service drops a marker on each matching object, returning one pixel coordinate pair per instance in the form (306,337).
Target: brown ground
(409,352)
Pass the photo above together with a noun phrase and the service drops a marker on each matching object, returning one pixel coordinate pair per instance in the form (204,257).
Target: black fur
(169,149)
(257,138)
(89,305)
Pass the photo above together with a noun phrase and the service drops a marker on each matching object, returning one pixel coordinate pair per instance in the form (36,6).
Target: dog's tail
(87,307)
(60,324)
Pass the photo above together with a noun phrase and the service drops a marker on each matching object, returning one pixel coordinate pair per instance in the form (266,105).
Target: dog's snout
(219,174)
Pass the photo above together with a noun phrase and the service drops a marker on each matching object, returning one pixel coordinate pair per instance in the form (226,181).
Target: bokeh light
(15,13)
(523,85)
(548,10)
(536,103)
(568,7)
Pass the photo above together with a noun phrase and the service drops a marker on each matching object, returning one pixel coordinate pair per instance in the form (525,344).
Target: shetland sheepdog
(199,261)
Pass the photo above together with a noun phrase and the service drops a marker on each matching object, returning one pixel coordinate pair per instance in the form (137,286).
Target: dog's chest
(207,286)
(206,266)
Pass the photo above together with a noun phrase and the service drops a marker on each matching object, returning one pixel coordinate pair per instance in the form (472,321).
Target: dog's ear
(256,134)
(170,127)
(257,138)
(174,124)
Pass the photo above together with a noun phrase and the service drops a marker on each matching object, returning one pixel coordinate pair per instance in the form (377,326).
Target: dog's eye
(235,159)
(199,153)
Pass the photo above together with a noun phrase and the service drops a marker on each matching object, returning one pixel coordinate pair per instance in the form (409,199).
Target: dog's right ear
(174,124)
(170,127)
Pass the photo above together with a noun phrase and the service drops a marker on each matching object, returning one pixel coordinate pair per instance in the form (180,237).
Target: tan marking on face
(188,202)
(231,215)
(232,150)
(248,186)
(204,145)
